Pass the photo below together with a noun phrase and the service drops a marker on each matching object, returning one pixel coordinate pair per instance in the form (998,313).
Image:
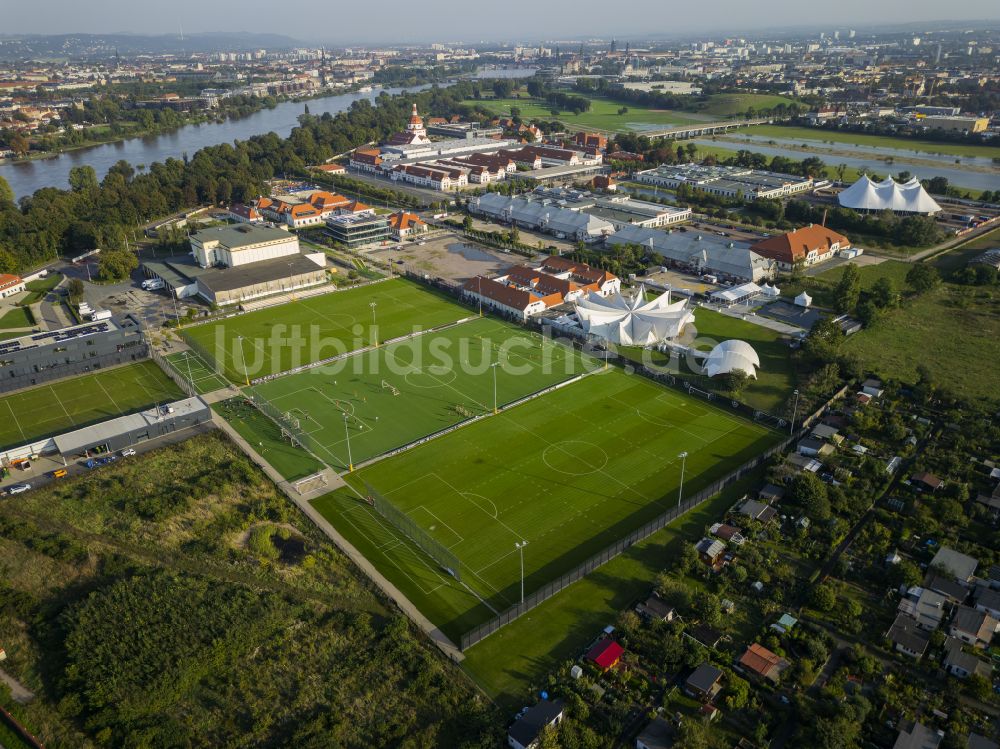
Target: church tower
(416,126)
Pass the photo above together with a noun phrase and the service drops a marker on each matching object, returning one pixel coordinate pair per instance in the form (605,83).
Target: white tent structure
(630,320)
(803,300)
(888,195)
(730,355)
(772,292)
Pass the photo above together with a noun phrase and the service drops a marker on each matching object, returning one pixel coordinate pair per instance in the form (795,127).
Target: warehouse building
(43,357)
(726,181)
(229,246)
(543,214)
(234,264)
(697,253)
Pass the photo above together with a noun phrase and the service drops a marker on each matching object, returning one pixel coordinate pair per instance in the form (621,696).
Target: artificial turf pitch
(399,393)
(281,338)
(59,407)
(570,473)
(202,375)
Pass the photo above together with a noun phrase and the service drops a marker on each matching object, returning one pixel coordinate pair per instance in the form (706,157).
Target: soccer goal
(386,385)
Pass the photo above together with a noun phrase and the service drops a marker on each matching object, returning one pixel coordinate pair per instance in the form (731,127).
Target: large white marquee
(630,320)
(888,195)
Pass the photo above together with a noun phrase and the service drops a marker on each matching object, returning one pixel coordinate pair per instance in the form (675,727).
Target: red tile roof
(402,221)
(760,660)
(7,280)
(605,653)
(793,247)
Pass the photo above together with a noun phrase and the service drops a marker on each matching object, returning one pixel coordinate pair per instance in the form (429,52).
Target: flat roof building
(358,230)
(125,431)
(243,244)
(701,253)
(42,357)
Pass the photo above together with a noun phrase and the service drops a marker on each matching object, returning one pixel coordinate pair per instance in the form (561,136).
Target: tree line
(107,212)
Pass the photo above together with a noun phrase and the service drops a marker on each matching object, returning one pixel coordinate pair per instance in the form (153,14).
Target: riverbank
(52,169)
(915,145)
(971,180)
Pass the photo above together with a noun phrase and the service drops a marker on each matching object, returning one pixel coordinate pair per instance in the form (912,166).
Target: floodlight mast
(680,489)
(494,366)
(520,547)
(795,412)
(374,328)
(243,357)
(347,433)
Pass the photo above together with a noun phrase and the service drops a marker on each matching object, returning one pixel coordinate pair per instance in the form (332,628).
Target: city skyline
(556,20)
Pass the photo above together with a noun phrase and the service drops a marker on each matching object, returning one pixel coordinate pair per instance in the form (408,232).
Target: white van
(153,284)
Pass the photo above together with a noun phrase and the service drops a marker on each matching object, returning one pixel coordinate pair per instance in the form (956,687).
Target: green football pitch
(280,338)
(362,406)
(48,410)
(570,473)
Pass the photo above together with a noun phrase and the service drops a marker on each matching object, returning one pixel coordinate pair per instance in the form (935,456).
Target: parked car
(18,488)
(59,473)
(128,452)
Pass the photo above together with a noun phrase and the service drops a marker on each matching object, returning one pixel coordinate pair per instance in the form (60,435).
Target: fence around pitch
(295,431)
(405,525)
(548,590)
(172,373)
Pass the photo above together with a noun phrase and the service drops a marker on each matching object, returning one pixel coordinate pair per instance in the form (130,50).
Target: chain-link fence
(405,525)
(289,425)
(168,369)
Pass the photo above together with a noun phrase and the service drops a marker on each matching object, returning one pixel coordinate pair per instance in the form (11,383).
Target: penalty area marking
(494,514)
(396,543)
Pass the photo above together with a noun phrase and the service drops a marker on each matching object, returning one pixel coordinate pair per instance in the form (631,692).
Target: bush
(260,543)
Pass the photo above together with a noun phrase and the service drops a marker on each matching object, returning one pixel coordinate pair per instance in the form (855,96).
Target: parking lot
(40,469)
(527,235)
(449,256)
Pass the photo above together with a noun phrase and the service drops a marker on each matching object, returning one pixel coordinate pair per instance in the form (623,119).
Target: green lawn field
(48,410)
(520,656)
(280,338)
(775,376)
(38,288)
(728,105)
(570,473)
(953,330)
(822,286)
(603,114)
(18,317)
(798,134)
(401,392)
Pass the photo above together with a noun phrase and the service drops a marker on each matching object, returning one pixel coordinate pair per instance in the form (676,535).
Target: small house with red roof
(245,214)
(405,224)
(761,662)
(605,654)
(806,246)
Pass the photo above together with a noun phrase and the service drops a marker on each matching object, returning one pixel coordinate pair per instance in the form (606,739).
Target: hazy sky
(399,21)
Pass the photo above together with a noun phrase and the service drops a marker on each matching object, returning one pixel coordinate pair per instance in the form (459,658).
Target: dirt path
(20,693)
